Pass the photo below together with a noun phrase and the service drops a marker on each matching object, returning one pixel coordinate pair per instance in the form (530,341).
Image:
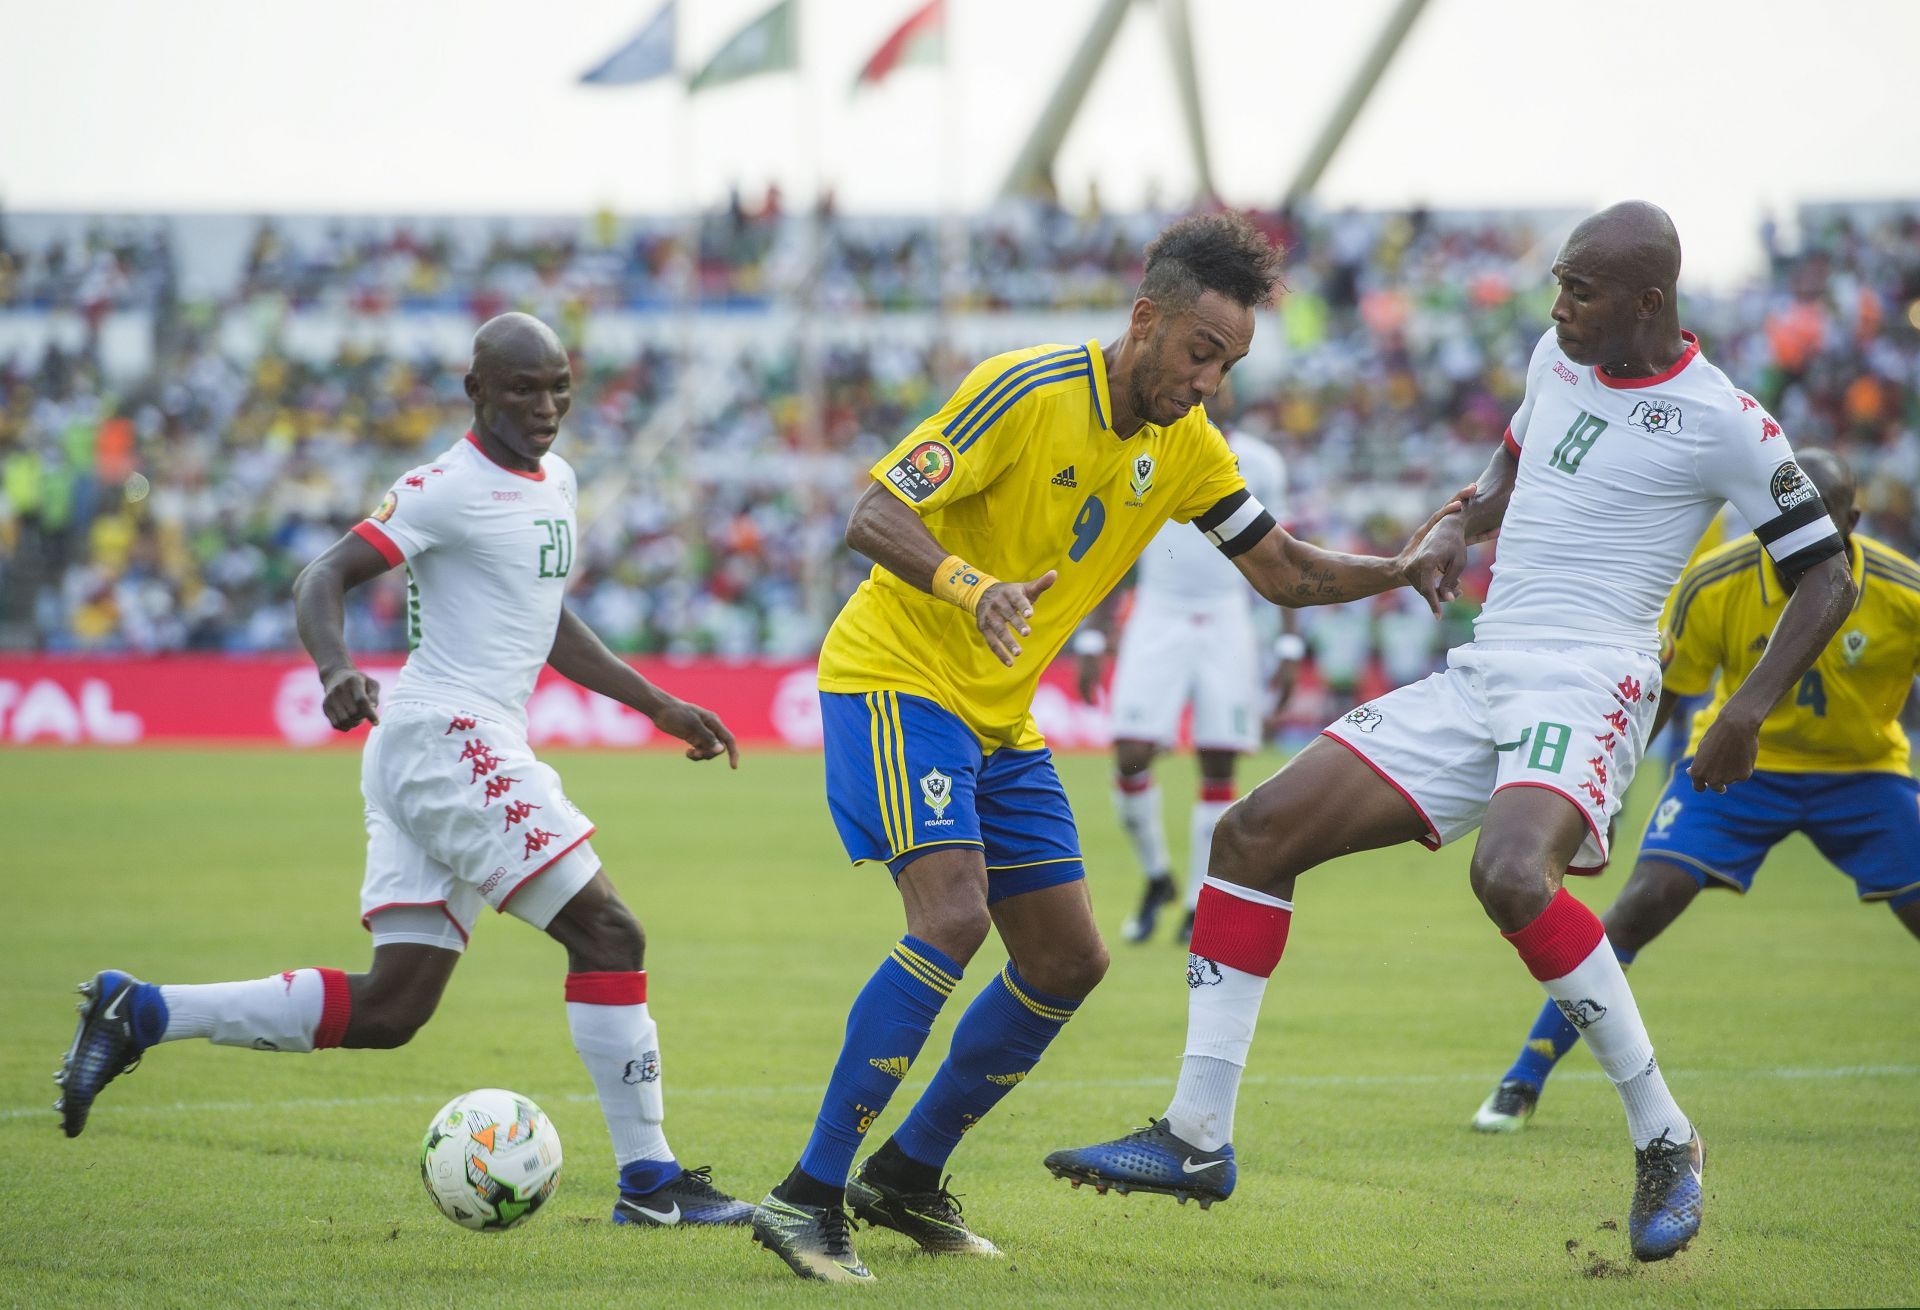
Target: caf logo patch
(921,470)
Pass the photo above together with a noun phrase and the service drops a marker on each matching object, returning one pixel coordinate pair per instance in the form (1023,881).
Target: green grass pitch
(214,1176)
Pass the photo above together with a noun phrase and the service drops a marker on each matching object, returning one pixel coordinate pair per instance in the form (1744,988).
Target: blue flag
(647,56)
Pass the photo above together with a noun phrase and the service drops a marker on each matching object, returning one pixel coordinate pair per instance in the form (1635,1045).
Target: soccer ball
(490,1159)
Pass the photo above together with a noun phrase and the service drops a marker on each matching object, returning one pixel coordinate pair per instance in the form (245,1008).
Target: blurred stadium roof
(1719,109)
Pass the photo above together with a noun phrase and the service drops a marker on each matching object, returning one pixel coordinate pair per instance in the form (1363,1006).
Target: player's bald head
(1832,479)
(1632,243)
(513,341)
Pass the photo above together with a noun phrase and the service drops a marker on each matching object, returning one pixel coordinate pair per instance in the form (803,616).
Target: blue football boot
(104,1045)
(1666,1196)
(687,1198)
(1150,1159)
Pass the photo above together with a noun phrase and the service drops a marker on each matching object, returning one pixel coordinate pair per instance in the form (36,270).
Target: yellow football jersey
(1020,472)
(1844,717)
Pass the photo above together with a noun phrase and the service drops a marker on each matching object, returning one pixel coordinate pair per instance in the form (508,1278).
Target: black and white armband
(1236,524)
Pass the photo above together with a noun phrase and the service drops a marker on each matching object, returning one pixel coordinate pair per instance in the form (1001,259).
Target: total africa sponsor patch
(1791,487)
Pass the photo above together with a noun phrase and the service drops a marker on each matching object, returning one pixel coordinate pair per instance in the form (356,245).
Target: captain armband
(1236,524)
(959,583)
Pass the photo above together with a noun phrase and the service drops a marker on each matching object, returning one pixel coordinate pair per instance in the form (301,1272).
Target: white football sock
(1596,1000)
(1139,813)
(1206,816)
(287,1012)
(620,1045)
(1223,1008)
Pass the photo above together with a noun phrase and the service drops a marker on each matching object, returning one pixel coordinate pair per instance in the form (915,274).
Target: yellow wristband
(959,583)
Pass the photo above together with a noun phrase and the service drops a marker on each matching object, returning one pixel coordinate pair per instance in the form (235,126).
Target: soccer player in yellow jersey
(1832,764)
(995,527)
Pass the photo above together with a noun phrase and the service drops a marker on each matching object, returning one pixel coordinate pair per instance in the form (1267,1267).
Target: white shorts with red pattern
(1569,717)
(460,813)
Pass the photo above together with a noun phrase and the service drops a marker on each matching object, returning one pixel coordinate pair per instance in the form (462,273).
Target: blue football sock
(1552,1037)
(998,1040)
(638,1177)
(886,1028)
(148,1011)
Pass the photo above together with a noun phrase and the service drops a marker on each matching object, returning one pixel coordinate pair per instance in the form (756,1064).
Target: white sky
(1715,109)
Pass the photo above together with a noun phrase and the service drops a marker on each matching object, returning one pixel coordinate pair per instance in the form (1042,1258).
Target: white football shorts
(1569,717)
(460,813)
(1173,655)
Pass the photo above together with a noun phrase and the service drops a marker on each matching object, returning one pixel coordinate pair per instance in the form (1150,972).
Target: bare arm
(320,611)
(580,656)
(887,531)
(1292,572)
(1822,596)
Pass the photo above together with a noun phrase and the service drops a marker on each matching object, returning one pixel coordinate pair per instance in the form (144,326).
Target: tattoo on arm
(1314,584)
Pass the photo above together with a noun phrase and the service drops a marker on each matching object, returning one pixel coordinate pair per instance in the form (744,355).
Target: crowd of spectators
(171,512)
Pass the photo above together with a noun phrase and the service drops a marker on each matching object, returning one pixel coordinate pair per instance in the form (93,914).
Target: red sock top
(608,988)
(1556,942)
(336,1008)
(1241,934)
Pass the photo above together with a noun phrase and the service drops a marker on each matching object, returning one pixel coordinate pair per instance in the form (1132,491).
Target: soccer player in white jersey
(1191,639)
(459,813)
(1626,443)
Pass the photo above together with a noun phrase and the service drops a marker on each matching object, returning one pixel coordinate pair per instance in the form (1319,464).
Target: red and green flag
(922,39)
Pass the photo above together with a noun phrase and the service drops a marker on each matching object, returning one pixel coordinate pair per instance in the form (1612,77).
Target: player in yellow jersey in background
(1833,762)
(1051,468)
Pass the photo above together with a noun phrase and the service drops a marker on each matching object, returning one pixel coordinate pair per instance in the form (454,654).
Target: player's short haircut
(1223,253)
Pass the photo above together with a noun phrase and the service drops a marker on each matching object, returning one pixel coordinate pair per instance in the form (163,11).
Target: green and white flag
(769,44)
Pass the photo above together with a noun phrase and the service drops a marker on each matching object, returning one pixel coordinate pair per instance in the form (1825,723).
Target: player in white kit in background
(1626,443)
(459,813)
(1191,639)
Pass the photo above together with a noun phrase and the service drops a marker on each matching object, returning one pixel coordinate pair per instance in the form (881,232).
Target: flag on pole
(647,56)
(922,39)
(769,44)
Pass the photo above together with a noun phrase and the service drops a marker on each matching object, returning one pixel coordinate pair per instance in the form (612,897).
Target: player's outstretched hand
(1434,557)
(1004,611)
(1726,754)
(706,737)
(350,697)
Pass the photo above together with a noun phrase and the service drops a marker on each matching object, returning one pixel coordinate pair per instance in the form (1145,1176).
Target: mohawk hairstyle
(1211,252)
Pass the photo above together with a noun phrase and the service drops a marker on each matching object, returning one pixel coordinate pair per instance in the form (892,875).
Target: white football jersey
(1618,478)
(487,550)
(1182,565)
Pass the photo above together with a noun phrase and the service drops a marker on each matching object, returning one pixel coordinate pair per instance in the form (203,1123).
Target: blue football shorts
(1867,824)
(906,777)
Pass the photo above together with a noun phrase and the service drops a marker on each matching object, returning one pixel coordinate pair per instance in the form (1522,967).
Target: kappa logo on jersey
(493,879)
(1768,429)
(386,509)
(1791,487)
(1659,417)
(1853,646)
(1582,1014)
(1201,972)
(1366,718)
(1142,480)
(1565,374)
(1664,816)
(936,789)
(1064,478)
(921,470)
(644,1070)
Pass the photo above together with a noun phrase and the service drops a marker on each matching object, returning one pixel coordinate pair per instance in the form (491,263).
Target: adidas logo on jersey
(1064,478)
(894,1066)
